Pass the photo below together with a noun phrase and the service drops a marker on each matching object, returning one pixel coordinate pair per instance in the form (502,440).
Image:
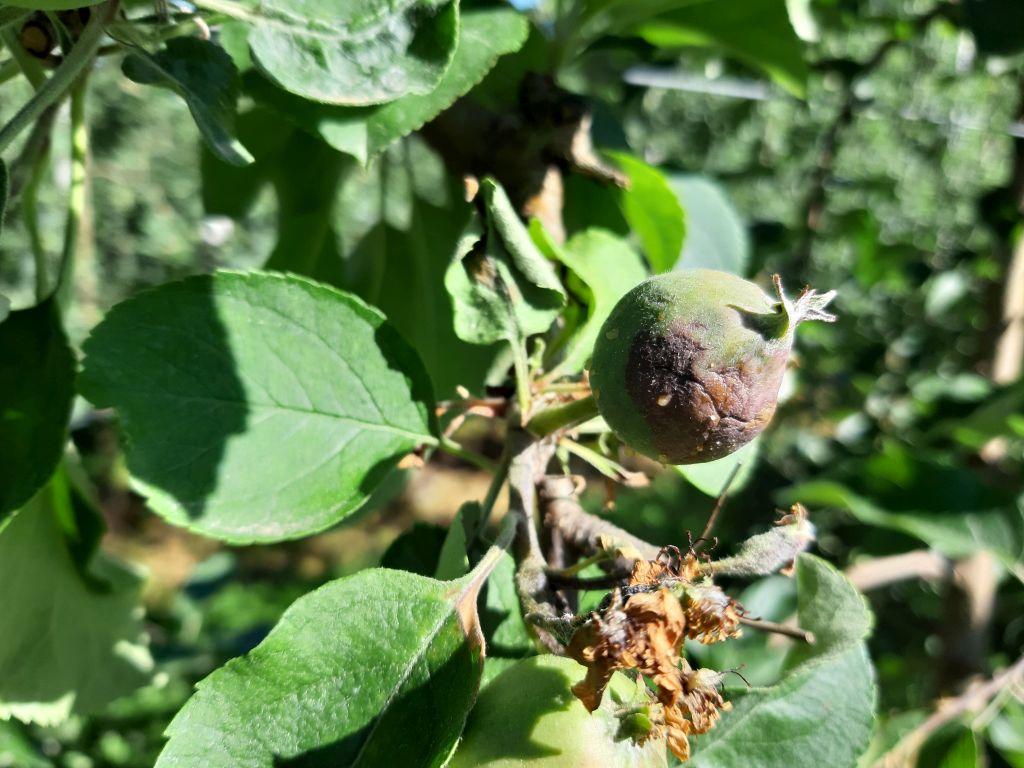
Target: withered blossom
(644,632)
(711,615)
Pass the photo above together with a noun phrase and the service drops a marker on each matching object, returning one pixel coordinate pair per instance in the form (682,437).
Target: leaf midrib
(251,406)
(420,652)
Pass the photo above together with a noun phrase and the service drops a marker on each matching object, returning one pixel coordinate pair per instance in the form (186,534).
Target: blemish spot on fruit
(612,334)
(665,399)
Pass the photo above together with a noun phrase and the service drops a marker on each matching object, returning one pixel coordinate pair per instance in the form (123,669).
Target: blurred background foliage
(897,180)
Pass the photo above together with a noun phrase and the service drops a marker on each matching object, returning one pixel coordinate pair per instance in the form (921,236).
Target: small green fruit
(529,717)
(687,367)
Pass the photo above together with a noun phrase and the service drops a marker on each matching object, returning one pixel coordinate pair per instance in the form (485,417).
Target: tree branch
(584,531)
(973,699)
(529,459)
(878,572)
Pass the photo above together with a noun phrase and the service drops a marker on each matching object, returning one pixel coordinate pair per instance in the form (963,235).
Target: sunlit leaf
(257,407)
(822,710)
(46,672)
(502,287)
(367,52)
(485,34)
(711,476)
(605,268)
(350,676)
(653,211)
(716,237)
(205,77)
(758,32)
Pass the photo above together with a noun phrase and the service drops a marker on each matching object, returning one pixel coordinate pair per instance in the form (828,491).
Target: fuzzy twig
(529,459)
(582,530)
(779,629)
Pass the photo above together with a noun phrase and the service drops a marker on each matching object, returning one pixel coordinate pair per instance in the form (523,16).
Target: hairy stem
(529,459)
(582,530)
(65,76)
(558,417)
(76,192)
(27,64)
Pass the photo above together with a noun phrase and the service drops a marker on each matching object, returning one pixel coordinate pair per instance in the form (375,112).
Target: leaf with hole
(257,406)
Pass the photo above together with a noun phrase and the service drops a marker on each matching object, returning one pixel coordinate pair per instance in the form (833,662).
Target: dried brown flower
(642,633)
(711,615)
(648,572)
(702,700)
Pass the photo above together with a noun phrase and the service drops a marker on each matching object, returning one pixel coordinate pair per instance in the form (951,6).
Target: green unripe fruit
(529,717)
(688,365)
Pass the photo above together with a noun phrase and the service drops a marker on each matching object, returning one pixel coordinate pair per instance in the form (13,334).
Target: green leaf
(378,668)
(652,210)
(363,132)
(415,550)
(822,711)
(829,606)
(400,221)
(502,616)
(605,268)
(203,74)
(956,532)
(453,560)
(502,287)
(711,477)
(758,32)
(357,53)
(17,749)
(716,237)
(71,641)
(962,752)
(37,375)
(257,407)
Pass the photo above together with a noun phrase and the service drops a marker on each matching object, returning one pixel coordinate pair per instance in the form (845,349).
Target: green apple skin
(528,717)
(688,365)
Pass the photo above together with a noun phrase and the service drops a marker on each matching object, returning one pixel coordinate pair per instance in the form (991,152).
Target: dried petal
(702,699)
(711,615)
(647,572)
(644,633)
(678,733)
